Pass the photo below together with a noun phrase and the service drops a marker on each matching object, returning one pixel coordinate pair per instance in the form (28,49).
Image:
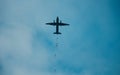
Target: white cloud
(17,52)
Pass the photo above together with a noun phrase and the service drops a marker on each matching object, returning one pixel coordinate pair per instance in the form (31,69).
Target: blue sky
(89,46)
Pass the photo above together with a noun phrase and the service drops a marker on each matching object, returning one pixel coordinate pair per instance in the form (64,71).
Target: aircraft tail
(56,33)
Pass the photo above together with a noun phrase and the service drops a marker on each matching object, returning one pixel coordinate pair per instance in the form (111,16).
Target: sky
(89,46)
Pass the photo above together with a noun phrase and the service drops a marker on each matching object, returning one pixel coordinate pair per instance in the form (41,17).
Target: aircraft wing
(51,23)
(63,24)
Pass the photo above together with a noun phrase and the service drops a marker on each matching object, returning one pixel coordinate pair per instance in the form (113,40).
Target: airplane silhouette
(57,24)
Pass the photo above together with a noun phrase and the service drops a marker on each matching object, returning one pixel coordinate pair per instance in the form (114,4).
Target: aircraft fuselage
(57,26)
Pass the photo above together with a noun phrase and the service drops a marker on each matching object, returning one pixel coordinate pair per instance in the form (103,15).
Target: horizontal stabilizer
(56,33)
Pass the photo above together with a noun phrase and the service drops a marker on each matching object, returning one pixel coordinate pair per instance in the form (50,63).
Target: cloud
(17,51)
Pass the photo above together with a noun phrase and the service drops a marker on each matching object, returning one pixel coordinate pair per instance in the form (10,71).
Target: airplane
(57,23)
